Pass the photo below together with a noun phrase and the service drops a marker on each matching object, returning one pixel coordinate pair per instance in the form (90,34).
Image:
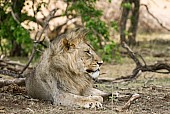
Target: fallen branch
(142,67)
(11,73)
(15,66)
(12,68)
(131,54)
(18,81)
(128,104)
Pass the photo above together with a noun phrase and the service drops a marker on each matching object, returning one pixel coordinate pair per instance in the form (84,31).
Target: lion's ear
(65,44)
(69,44)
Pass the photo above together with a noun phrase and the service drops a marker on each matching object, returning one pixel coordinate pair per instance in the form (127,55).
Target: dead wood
(14,66)
(142,67)
(11,73)
(18,81)
(161,24)
(128,104)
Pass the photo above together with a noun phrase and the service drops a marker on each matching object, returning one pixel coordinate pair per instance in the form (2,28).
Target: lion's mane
(61,62)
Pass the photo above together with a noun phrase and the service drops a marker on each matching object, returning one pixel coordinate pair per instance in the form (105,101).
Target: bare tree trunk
(130,38)
(134,22)
(123,21)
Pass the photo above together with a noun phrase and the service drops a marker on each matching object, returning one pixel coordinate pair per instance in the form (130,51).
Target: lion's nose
(100,63)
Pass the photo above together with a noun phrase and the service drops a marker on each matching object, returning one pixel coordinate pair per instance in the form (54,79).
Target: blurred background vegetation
(21,22)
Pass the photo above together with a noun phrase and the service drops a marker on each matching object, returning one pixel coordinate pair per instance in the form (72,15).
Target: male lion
(65,73)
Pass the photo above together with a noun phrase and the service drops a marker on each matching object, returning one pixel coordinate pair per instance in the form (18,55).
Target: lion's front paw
(96,98)
(94,104)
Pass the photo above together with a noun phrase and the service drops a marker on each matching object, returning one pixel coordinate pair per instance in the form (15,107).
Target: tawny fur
(61,75)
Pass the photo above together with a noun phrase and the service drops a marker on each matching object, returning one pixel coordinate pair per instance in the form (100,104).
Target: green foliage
(99,35)
(109,1)
(114,25)
(99,30)
(108,49)
(94,41)
(110,52)
(11,32)
(22,37)
(127,5)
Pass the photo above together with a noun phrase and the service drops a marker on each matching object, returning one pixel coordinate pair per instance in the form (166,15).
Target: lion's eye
(88,51)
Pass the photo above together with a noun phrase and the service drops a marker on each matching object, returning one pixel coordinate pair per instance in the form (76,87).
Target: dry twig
(14,16)
(38,40)
(128,104)
(155,18)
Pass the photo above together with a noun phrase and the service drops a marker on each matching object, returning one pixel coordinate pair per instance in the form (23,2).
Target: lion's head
(72,62)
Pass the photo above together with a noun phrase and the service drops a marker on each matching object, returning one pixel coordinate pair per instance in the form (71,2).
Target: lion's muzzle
(93,74)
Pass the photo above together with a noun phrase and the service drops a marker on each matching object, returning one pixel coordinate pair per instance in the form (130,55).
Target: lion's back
(35,88)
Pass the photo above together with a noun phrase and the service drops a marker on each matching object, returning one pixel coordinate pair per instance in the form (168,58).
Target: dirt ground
(155,99)
(153,88)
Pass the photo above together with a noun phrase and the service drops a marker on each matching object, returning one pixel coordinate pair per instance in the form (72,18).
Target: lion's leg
(69,99)
(97,92)
(93,91)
